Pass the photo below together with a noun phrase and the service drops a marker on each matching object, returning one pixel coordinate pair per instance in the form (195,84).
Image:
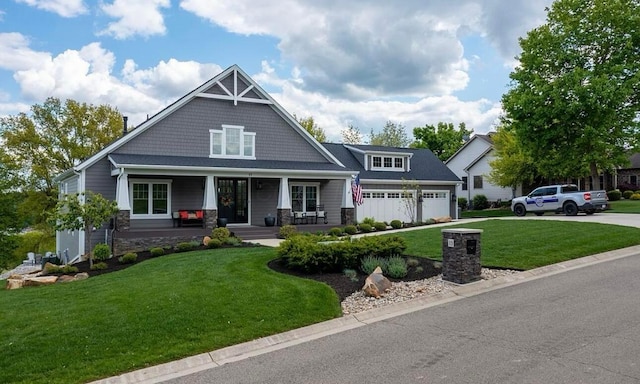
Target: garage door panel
(382,206)
(435,204)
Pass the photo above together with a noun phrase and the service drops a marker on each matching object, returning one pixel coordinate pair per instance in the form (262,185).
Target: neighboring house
(471,163)
(399,183)
(630,176)
(227,150)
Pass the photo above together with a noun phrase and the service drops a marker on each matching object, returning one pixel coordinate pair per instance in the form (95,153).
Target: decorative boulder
(39,280)
(81,276)
(65,279)
(206,240)
(15,282)
(376,284)
(442,219)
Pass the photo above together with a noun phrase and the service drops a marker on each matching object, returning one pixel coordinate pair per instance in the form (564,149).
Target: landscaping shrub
(627,194)
(480,202)
(411,262)
(366,228)
(369,220)
(380,226)
(101,252)
(396,224)
(234,241)
(352,274)
(336,232)
(287,231)
(614,195)
(350,230)
(635,196)
(429,221)
(99,266)
(128,258)
(220,233)
(157,251)
(396,267)
(462,203)
(184,247)
(370,263)
(68,269)
(214,243)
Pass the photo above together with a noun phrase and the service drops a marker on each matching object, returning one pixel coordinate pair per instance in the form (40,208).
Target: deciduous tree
(443,140)
(574,99)
(512,166)
(392,135)
(351,135)
(310,125)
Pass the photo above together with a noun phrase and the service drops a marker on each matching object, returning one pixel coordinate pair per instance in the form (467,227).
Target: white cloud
(15,53)
(64,8)
(135,17)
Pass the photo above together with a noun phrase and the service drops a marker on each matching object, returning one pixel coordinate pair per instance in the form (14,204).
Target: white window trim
(223,132)
(393,168)
(304,199)
(150,182)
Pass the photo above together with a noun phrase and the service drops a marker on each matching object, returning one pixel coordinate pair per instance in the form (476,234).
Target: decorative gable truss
(234,88)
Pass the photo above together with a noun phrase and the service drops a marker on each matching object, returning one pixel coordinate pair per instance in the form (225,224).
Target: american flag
(356,191)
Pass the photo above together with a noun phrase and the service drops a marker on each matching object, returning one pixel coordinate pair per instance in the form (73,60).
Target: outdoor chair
(321,214)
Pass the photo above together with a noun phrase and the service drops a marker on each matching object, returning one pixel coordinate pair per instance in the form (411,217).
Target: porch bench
(188,217)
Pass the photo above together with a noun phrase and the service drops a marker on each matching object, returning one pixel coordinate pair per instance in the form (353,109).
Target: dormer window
(232,142)
(388,163)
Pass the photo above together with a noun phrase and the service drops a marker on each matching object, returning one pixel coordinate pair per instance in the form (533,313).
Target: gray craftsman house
(227,154)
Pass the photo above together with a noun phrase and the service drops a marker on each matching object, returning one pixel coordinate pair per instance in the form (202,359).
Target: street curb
(271,343)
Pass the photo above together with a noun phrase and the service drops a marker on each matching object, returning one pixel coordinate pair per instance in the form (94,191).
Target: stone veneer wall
(461,255)
(210,217)
(123,220)
(283,217)
(347,216)
(139,244)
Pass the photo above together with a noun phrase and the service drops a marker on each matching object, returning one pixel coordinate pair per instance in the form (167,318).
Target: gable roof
(425,166)
(215,89)
(486,138)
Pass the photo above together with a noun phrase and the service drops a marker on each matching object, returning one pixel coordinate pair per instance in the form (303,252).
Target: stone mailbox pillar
(461,255)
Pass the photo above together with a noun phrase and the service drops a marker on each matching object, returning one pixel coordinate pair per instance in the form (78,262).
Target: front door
(233,197)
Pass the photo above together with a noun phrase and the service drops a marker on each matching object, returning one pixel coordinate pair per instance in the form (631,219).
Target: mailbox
(471,246)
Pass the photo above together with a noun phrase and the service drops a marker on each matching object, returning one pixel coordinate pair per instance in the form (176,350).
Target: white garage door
(387,205)
(435,204)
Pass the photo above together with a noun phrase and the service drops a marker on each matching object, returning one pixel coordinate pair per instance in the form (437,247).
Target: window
(477,182)
(150,199)
(633,179)
(465,180)
(366,195)
(304,197)
(393,195)
(232,141)
(377,195)
(387,163)
(377,161)
(398,162)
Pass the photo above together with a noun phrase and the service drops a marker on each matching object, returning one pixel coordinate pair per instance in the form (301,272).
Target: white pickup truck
(565,199)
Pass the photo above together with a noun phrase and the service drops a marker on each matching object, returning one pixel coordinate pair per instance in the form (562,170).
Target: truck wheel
(539,213)
(570,208)
(519,210)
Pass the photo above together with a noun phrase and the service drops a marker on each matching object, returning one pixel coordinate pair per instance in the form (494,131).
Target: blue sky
(365,62)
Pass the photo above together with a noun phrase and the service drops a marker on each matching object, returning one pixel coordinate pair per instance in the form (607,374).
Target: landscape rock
(376,284)
(35,281)
(206,240)
(442,219)
(65,279)
(81,276)
(15,282)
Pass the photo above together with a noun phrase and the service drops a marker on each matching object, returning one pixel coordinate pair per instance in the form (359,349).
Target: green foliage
(352,274)
(370,263)
(412,262)
(512,164)
(184,246)
(351,135)
(128,258)
(336,231)
(32,241)
(443,140)
(392,135)
(379,226)
(101,252)
(635,196)
(396,267)
(157,251)
(68,269)
(350,230)
(369,220)
(573,102)
(287,231)
(310,126)
(52,269)
(233,241)
(462,203)
(221,234)
(366,228)
(396,224)
(614,195)
(99,266)
(214,243)
(480,202)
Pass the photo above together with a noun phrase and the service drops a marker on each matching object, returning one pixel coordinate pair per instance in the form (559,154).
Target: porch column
(122,191)
(284,203)
(347,211)
(210,203)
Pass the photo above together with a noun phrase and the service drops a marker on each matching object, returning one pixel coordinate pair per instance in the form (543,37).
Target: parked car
(567,199)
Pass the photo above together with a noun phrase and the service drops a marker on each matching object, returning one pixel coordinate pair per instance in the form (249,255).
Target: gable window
(387,163)
(150,198)
(232,141)
(465,180)
(398,163)
(377,161)
(477,182)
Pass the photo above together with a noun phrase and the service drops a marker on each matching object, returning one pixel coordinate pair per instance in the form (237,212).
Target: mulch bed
(343,285)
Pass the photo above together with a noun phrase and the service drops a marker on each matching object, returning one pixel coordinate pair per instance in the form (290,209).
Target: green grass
(157,311)
(527,244)
(498,212)
(624,206)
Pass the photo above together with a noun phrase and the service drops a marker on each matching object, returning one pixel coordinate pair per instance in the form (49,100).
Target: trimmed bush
(157,251)
(480,202)
(462,203)
(101,252)
(396,267)
(614,195)
(99,266)
(370,263)
(220,233)
(369,220)
(234,241)
(352,274)
(627,194)
(287,231)
(350,230)
(396,224)
(412,263)
(184,247)
(635,196)
(336,232)
(380,226)
(366,228)
(128,258)
(214,243)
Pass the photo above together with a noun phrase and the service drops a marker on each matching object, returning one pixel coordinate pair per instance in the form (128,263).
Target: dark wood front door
(233,196)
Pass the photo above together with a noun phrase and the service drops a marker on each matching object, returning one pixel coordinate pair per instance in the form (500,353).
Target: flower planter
(222,222)
(269,221)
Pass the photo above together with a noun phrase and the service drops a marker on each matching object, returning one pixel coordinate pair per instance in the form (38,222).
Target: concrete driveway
(626,219)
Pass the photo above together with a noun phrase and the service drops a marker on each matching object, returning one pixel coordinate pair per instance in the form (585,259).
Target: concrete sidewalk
(264,345)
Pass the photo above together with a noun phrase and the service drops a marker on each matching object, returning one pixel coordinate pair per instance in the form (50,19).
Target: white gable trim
(465,145)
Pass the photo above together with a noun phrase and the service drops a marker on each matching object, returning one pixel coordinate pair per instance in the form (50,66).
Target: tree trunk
(595,176)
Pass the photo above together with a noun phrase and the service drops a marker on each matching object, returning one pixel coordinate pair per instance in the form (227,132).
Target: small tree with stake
(83,211)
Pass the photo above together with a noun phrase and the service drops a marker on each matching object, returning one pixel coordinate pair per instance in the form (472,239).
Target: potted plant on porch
(269,221)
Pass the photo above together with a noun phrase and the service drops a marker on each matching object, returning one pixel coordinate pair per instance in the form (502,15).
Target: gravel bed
(408,290)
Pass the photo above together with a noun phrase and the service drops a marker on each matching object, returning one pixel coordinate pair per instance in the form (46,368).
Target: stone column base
(123,220)
(210,217)
(347,216)
(283,217)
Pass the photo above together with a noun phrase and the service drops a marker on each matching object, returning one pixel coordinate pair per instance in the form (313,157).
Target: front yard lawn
(624,206)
